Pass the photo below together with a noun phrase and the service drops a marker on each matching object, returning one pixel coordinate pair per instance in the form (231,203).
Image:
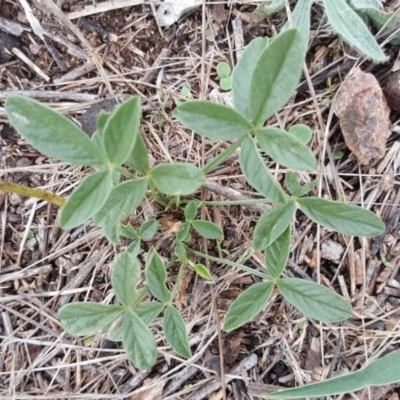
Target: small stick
(160,61)
(220,343)
(30,64)
(12,27)
(71,76)
(49,95)
(26,273)
(238,37)
(103,7)
(92,27)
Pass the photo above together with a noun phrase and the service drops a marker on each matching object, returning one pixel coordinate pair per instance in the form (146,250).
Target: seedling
(224,72)
(118,150)
(185,92)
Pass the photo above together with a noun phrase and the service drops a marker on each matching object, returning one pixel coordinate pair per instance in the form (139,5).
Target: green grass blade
(384,371)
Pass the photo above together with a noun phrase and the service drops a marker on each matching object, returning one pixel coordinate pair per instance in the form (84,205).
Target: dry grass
(43,268)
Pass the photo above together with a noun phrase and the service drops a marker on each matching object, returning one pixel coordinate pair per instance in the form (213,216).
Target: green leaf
(97,141)
(383,371)
(294,187)
(277,254)
(88,198)
(177,179)
(207,229)
(337,155)
(149,311)
(51,133)
(242,74)
(112,233)
(359,4)
(285,149)
(156,276)
(212,120)
(223,69)
(125,277)
(180,252)
(113,332)
(292,183)
(183,234)
(101,121)
(269,7)
(272,224)
(203,271)
(276,75)
(190,210)
(301,18)
(226,83)
(175,332)
(353,29)
(121,130)
(129,231)
(341,217)
(248,305)
(149,229)
(185,90)
(256,172)
(386,20)
(81,319)
(134,248)
(314,300)
(302,133)
(139,160)
(123,199)
(138,341)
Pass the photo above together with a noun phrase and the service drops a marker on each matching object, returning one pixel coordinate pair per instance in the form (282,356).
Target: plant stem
(221,157)
(37,193)
(178,280)
(230,263)
(234,203)
(155,195)
(126,174)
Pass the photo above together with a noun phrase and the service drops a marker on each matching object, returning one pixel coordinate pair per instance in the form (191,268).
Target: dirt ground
(43,267)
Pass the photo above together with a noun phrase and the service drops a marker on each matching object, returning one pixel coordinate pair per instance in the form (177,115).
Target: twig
(71,76)
(12,27)
(220,343)
(215,384)
(232,194)
(103,7)
(30,64)
(49,95)
(160,61)
(26,273)
(92,27)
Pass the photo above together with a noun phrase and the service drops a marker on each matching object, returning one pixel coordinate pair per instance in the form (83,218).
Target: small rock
(331,250)
(363,116)
(392,90)
(89,118)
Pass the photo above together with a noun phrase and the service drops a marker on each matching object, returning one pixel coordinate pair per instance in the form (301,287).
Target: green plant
(262,82)
(224,72)
(385,262)
(347,17)
(384,371)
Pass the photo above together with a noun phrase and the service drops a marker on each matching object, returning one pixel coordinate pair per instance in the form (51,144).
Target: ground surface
(43,267)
